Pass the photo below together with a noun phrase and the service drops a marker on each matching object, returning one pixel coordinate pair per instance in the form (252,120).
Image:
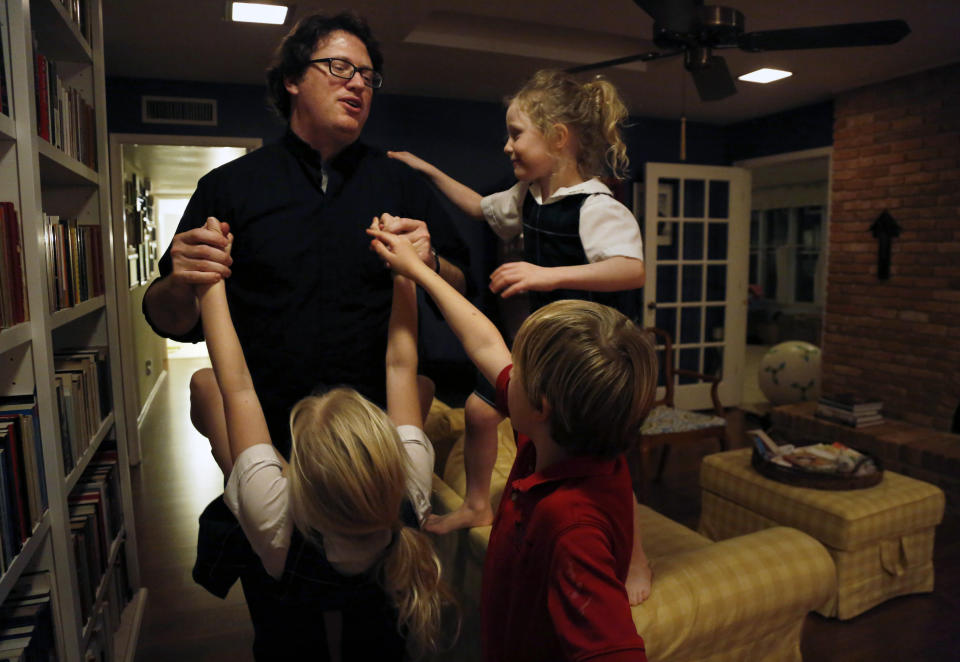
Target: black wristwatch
(436,259)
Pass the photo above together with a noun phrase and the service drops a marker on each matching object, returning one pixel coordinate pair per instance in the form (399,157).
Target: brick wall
(897,148)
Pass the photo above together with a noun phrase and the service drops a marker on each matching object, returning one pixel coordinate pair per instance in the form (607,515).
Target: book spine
(43,98)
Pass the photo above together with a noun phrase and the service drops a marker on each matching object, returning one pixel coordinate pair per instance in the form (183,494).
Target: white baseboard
(149,401)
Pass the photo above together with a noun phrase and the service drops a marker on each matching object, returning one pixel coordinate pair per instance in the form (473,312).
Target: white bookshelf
(39,179)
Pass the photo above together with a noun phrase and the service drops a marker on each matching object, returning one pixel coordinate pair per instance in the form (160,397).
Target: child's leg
(479,456)
(640,576)
(206,413)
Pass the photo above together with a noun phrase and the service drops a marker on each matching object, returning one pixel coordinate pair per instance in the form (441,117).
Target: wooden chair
(667,425)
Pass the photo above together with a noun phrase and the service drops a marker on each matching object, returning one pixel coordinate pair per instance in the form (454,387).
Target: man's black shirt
(309,299)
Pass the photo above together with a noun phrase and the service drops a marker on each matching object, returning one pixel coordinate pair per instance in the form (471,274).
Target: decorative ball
(790,372)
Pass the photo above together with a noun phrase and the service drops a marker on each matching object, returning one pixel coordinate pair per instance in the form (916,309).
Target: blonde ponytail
(610,115)
(348,476)
(593,111)
(411,575)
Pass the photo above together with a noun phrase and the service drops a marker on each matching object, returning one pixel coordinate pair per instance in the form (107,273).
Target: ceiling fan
(695,30)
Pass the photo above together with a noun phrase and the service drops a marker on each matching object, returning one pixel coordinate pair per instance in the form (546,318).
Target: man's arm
(198,257)
(480,338)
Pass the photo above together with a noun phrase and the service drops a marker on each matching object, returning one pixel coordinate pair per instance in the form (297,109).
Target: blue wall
(465,139)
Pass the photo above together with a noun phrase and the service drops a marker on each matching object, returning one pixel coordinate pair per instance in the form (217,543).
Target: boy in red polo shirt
(582,380)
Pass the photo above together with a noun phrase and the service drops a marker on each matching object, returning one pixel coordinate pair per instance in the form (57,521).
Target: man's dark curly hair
(292,57)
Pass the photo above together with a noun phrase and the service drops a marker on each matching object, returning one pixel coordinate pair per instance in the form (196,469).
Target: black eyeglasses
(346,69)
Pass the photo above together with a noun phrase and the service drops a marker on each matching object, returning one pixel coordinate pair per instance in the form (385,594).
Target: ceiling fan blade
(641,57)
(713,79)
(875,33)
(675,15)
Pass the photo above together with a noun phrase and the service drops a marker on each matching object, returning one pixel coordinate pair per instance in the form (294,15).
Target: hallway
(174,482)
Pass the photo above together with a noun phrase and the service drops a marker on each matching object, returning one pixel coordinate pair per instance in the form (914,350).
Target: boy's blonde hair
(593,111)
(596,370)
(348,475)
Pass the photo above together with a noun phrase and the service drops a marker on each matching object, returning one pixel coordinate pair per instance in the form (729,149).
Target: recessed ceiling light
(257,12)
(765,75)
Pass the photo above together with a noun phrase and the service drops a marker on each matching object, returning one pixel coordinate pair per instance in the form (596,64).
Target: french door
(696,237)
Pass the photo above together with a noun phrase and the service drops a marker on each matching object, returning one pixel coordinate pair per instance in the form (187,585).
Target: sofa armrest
(748,595)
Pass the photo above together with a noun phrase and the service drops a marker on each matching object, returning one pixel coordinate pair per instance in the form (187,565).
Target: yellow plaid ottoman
(880,538)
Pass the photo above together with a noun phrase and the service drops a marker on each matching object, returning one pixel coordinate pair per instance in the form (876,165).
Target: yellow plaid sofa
(740,599)
(880,538)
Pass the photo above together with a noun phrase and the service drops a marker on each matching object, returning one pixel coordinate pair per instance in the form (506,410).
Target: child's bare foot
(463,517)
(639,581)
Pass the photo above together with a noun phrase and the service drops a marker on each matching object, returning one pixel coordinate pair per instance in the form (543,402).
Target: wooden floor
(184,623)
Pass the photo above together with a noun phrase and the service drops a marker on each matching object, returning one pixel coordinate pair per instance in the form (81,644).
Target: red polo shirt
(558,556)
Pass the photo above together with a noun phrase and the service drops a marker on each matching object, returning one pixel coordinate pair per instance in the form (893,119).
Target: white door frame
(730,343)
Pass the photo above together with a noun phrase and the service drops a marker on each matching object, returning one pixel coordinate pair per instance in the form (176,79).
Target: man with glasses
(311,306)
(309,299)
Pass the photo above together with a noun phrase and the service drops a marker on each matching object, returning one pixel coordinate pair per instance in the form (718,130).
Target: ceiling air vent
(179,110)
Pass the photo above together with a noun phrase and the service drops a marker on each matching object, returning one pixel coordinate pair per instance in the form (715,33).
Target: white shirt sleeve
(257,494)
(420,477)
(503,211)
(609,229)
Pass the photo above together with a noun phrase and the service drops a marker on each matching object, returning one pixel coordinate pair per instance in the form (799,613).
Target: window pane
(713,361)
(770,275)
(666,319)
(778,227)
(806,276)
(808,227)
(689,359)
(666,283)
(690,325)
(754,266)
(715,320)
(661,368)
(719,199)
(692,282)
(717,241)
(716,282)
(667,244)
(693,241)
(755,218)
(693,198)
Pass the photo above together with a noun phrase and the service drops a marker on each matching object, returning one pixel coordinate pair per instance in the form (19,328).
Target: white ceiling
(174,170)
(468,49)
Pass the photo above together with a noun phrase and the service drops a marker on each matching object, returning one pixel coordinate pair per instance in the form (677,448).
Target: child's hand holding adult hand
(396,251)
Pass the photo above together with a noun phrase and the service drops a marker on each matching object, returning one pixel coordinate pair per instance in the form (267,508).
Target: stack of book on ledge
(850,409)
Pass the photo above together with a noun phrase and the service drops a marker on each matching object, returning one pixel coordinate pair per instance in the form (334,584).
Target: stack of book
(26,620)
(850,409)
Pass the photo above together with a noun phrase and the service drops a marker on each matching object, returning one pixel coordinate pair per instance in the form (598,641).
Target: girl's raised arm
(403,400)
(246,425)
(480,338)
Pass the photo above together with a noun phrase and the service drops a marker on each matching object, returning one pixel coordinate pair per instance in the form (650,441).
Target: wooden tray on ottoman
(817,480)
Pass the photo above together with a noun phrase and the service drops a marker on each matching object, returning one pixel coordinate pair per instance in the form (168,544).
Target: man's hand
(201,256)
(396,252)
(519,277)
(412,230)
(222,229)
